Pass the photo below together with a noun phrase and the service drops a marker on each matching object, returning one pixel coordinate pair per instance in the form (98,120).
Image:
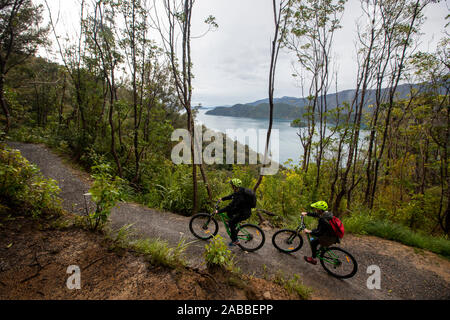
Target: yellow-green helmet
(321,205)
(236,182)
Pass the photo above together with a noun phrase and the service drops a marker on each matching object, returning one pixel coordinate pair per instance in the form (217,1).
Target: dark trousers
(314,245)
(232,223)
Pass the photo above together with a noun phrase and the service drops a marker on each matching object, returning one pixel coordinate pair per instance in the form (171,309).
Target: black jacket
(239,204)
(324,229)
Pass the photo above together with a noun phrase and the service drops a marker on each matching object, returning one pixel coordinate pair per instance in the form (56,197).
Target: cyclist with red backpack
(328,231)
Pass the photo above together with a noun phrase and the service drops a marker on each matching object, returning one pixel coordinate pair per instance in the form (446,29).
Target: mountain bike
(336,261)
(205,226)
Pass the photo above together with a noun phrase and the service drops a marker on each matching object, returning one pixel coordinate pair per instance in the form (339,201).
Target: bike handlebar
(303,221)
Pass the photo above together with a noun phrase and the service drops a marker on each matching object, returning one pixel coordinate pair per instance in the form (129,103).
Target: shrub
(175,191)
(106,193)
(357,223)
(286,193)
(43,195)
(218,255)
(22,184)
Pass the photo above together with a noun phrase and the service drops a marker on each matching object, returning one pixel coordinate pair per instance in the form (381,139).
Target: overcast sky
(231,64)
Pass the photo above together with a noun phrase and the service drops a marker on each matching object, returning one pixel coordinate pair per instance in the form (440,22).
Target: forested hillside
(291,108)
(282,111)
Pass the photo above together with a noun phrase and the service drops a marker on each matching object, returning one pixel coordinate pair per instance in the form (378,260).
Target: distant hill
(290,108)
(207,108)
(281,111)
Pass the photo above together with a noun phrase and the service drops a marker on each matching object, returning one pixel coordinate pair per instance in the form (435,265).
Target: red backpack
(338,227)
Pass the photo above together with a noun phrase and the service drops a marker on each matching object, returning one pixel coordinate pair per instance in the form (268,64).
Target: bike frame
(302,227)
(224,218)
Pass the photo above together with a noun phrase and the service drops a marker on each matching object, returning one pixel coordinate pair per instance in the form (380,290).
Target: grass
(237,281)
(159,252)
(293,285)
(156,251)
(365,225)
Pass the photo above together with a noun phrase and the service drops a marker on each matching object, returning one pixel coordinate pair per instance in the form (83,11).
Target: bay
(289,142)
(290,146)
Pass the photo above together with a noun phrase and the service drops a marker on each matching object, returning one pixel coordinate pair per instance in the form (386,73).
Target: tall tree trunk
(61,104)
(395,81)
(113,98)
(273,63)
(4,104)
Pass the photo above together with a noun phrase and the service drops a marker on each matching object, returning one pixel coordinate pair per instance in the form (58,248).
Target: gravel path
(406,273)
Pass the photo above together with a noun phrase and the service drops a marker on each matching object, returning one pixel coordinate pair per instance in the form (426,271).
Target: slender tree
(401,32)
(21,33)
(179,14)
(312,26)
(280,21)
(110,57)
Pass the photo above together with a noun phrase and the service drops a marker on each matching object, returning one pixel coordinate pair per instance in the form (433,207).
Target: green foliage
(245,174)
(160,253)
(43,194)
(30,135)
(368,225)
(22,184)
(357,223)
(420,212)
(106,193)
(121,239)
(169,187)
(288,193)
(176,190)
(91,159)
(156,251)
(12,98)
(175,196)
(293,285)
(218,255)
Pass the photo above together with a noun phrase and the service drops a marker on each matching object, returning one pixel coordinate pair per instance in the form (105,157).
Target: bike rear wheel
(251,237)
(287,240)
(203,226)
(338,262)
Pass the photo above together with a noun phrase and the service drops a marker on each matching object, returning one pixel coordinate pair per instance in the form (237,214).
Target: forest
(114,95)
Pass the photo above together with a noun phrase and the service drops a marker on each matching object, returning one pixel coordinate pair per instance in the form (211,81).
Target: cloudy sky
(231,64)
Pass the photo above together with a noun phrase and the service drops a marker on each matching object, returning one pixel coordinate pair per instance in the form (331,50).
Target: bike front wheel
(287,241)
(338,262)
(251,237)
(203,226)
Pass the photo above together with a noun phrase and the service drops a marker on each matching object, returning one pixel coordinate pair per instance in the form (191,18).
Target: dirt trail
(406,273)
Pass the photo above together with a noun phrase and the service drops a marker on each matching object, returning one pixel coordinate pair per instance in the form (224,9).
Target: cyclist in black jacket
(238,210)
(323,234)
